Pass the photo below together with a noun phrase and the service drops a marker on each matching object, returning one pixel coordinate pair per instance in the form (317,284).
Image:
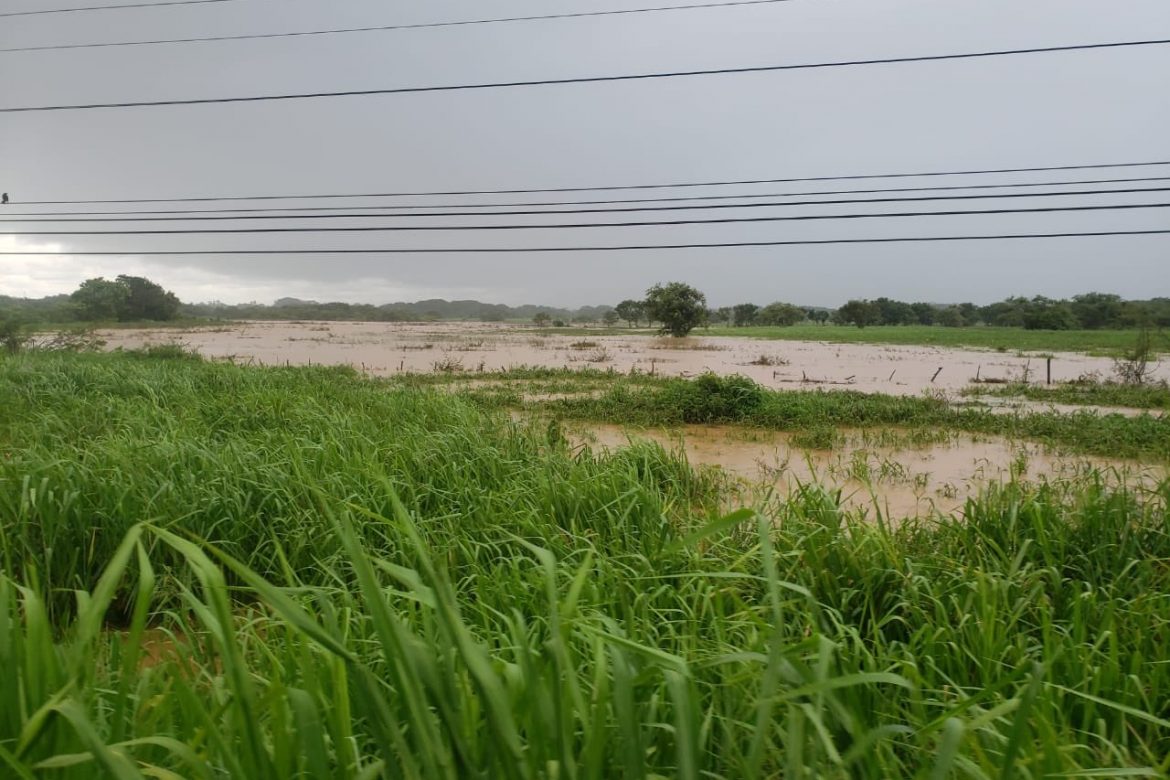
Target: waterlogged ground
(385,349)
(895,473)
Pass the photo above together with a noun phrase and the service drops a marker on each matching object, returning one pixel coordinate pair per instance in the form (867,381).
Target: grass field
(218,571)
(1095,342)
(1105,342)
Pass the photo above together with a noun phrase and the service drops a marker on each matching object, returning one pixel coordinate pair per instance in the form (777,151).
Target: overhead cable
(622,210)
(109,8)
(585,79)
(596,188)
(606,248)
(572,225)
(393,27)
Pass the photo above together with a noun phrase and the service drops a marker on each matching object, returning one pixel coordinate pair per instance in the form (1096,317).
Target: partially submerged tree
(678,306)
(541,319)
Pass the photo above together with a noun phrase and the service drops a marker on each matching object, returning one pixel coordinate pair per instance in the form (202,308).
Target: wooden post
(1050,369)
(936,373)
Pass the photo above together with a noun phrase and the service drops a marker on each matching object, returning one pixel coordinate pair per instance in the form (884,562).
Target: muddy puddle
(389,348)
(896,478)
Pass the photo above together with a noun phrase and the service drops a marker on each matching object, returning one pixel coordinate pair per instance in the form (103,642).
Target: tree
(1097,310)
(859,313)
(1046,314)
(970,313)
(542,319)
(778,313)
(610,318)
(12,335)
(146,300)
(744,314)
(631,311)
(723,314)
(100,299)
(891,312)
(126,299)
(924,313)
(949,317)
(679,307)
(820,316)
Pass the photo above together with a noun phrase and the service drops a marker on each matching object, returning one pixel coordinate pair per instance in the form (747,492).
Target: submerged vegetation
(1144,396)
(212,570)
(645,400)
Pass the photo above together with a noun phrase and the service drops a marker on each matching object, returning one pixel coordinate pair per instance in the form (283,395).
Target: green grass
(648,401)
(1151,396)
(1108,342)
(370,580)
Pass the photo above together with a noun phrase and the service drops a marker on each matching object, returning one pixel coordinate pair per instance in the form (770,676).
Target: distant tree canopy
(859,313)
(744,314)
(679,307)
(1090,311)
(126,299)
(631,311)
(783,314)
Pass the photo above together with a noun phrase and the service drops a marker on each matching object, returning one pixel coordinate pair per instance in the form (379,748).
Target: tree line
(1090,311)
(675,305)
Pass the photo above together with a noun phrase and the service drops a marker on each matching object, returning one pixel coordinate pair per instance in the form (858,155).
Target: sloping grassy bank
(369,581)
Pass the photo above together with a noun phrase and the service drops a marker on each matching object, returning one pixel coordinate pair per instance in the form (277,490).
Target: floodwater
(875,472)
(383,349)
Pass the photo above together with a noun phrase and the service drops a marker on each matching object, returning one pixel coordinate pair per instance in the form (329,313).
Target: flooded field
(387,348)
(896,474)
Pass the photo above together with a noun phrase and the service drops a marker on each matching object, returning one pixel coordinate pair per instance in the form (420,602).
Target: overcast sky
(1087,107)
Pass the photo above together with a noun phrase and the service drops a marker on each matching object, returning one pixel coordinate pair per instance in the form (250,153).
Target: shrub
(714,398)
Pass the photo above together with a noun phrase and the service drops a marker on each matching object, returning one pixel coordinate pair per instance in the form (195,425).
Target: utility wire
(587,79)
(108,8)
(543,212)
(674,185)
(608,248)
(571,225)
(390,27)
(149,216)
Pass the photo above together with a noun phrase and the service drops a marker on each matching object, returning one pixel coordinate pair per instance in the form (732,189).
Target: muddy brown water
(898,481)
(388,348)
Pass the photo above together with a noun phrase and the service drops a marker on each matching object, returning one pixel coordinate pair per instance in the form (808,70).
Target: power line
(108,8)
(673,185)
(608,248)
(390,27)
(587,79)
(544,212)
(571,225)
(149,216)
